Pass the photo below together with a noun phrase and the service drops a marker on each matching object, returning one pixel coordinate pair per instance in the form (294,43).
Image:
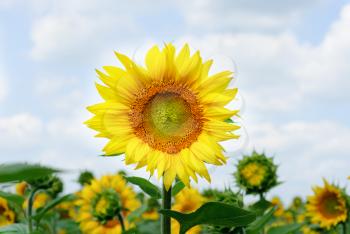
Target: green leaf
(258,224)
(290,228)
(18,200)
(260,206)
(23,171)
(212,213)
(17,228)
(177,188)
(50,206)
(146,186)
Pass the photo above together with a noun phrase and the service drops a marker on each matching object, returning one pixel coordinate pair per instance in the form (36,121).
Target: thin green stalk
(261,195)
(30,209)
(121,220)
(166,204)
(345,228)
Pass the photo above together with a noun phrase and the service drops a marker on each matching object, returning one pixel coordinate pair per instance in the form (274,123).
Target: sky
(290,61)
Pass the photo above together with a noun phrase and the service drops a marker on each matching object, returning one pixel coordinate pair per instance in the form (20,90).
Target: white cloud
(244,15)
(81,30)
(20,131)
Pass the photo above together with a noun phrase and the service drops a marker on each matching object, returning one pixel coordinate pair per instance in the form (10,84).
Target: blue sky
(290,60)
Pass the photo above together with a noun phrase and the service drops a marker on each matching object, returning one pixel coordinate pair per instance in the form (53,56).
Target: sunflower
(152,210)
(276,201)
(256,173)
(21,188)
(7,216)
(67,209)
(40,200)
(101,201)
(187,201)
(327,207)
(168,115)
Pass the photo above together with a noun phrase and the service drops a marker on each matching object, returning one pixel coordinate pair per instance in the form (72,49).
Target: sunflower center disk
(330,206)
(106,205)
(167,118)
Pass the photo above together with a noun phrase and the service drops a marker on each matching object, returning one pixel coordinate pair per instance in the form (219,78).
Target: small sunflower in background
(7,215)
(152,210)
(168,116)
(85,177)
(187,201)
(276,201)
(328,206)
(100,201)
(21,188)
(40,200)
(256,174)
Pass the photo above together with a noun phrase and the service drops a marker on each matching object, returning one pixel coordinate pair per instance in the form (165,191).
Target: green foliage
(40,214)
(286,229)
(146,186)
(16,199)
(17,228)
(259,223)
(212,213)
(56,186)
(177,188)
(260,206)
(23,172)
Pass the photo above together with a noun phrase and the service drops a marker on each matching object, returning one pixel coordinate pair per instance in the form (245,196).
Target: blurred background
(291,61)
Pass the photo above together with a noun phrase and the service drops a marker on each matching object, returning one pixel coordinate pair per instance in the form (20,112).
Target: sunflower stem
(166,204)
(344,228)
(30,208)
(121,220)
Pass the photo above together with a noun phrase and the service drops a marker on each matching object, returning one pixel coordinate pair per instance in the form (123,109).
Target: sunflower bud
(256,174)
(85,177)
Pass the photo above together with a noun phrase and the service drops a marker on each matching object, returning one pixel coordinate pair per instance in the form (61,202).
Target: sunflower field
(169,117)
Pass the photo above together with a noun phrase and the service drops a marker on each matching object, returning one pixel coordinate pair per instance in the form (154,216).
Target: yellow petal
(156,63)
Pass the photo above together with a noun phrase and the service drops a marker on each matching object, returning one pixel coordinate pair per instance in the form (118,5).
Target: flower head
(100,201)
(276,201)
(256,174)
(328,206)
(7,216)
(40,200)
(21,188)
(85,177)
(168,116)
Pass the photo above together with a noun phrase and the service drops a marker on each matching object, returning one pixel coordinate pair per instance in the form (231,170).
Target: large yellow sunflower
(327,207)
(7,216)
(187,201)
(100,202)
(169,115)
